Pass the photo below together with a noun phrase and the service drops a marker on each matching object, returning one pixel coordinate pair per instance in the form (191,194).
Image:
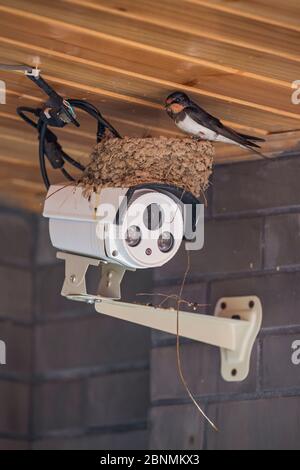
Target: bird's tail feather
(250,137)
(252,144)
(257,152)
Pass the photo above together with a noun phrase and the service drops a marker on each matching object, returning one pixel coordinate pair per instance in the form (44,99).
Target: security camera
(140,232)
(141,228)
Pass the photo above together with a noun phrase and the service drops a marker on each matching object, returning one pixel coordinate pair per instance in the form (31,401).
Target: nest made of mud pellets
(185,163)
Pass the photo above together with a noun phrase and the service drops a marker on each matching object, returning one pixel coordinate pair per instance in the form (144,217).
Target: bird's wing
(207,120)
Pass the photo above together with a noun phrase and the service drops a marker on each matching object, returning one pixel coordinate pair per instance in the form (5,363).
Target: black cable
(42,134)
(48,143)
(67,175)
(93,111)
(72,161)
(21,113)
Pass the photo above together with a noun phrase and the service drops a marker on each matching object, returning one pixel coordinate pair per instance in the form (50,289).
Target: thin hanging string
(58,190)
(179,365)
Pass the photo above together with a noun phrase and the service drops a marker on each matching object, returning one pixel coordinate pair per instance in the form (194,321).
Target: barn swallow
(192,119)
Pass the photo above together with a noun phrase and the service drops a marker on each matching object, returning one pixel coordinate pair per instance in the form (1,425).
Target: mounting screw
(73,278)
(251,304)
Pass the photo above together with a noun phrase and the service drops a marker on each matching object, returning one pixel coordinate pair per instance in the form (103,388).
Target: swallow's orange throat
(176,108)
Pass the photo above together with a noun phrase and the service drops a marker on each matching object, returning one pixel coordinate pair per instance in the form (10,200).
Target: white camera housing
(146,233)
(93,232)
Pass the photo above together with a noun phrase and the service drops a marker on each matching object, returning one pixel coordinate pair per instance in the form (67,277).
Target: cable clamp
(33,72)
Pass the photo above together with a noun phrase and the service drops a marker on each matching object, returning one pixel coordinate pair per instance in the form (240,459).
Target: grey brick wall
(77,380)
(73,379)
(252,247)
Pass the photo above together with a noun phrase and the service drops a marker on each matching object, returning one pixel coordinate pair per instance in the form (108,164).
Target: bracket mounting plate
(235,364)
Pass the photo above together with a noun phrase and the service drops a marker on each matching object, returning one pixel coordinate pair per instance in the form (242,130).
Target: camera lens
(133,236)
(165,242)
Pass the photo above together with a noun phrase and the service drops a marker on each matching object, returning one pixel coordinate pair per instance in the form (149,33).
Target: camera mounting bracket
(76,267)
(233,328)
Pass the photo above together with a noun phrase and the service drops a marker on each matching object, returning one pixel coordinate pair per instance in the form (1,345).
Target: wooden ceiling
(237,58)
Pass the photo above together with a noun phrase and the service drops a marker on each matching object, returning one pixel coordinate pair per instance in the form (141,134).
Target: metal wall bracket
(110,283)
(233,328)
(76,267)
(75,271)
(235,364)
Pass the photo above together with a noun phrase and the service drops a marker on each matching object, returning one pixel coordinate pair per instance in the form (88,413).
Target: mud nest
(127,162)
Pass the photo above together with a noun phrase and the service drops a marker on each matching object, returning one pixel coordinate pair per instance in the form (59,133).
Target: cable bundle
(49,146)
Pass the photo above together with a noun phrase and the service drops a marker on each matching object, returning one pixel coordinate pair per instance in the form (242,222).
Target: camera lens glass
(165,242)
(133,236)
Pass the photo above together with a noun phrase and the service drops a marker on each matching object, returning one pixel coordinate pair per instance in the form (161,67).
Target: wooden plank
(120,106)
(84,80)
(11,196)
(237,59)
(13,169)
(202,80)
(22,185)
(124,82)
(82,137)
(23,92)
(85,136)
(87,131)
(25,141)
(278,145)
(151,38)
(201,21)
(284,14)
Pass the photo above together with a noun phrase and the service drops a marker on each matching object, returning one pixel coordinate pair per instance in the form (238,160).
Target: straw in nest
(184,163)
